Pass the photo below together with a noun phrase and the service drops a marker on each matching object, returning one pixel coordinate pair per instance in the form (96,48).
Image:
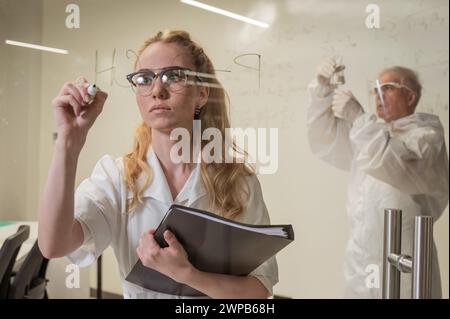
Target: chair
(8,255)
(29,281)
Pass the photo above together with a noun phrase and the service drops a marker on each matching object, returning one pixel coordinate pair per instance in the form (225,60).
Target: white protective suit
(402,164)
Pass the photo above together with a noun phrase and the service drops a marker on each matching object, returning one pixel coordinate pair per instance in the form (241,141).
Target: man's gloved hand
(325,71)
(345,106)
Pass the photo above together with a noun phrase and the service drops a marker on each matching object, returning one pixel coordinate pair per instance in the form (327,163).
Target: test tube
(339,77)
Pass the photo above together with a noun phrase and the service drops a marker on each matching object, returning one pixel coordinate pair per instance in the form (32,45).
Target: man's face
(398,101)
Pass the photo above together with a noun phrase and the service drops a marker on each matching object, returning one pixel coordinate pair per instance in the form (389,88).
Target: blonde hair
(225,182)
(408,77)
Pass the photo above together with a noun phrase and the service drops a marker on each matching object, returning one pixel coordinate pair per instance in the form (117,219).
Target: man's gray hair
(408,77)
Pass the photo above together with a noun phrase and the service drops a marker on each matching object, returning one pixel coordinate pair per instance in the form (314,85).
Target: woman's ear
(203,96)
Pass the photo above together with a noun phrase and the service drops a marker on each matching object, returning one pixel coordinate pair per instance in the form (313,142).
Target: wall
(20,95)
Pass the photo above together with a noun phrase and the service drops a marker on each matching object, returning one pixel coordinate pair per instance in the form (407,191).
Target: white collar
(191,191)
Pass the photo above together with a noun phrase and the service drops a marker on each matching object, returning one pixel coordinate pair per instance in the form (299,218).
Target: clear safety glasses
(173,79)
(388,87)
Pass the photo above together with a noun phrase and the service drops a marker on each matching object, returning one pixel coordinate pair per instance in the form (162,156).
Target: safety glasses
(389,87)
(172,78)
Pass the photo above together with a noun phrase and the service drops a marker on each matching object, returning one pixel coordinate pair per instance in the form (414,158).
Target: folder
(213,244)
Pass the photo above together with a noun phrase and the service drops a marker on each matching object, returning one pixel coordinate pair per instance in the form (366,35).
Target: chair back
(29,281)
(8,255)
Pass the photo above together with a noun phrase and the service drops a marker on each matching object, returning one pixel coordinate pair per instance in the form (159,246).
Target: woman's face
(166,107)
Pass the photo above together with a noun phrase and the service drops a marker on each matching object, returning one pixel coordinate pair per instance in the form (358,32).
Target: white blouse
(100,207)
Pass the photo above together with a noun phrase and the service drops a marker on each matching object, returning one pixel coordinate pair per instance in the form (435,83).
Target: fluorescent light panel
(225,13)
(37,47)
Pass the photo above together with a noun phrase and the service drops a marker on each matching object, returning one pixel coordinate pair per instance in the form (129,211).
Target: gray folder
(213,244)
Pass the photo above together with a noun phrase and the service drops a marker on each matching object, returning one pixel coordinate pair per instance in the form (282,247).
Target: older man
(400,162)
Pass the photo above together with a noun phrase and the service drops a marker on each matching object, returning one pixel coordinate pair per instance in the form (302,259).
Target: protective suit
(402,164)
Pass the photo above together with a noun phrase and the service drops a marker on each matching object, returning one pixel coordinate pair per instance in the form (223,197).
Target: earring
(197,113)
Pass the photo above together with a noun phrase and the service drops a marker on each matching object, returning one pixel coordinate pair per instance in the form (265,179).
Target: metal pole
(392,245)
(99,278)
(423,245)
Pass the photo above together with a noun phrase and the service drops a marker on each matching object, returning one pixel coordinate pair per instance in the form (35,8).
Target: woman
(124,199)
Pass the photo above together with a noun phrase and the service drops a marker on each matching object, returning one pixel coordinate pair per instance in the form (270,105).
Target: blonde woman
(124,199)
